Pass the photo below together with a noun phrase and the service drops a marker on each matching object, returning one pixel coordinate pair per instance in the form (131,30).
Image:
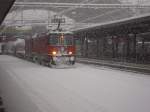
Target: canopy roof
(76,16)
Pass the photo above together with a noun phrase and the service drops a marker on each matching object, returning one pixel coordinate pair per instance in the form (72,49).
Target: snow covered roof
(60,32)
(125,20)
(76,17)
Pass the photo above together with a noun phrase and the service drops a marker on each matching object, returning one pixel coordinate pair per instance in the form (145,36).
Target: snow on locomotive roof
(51,32)
(58,32)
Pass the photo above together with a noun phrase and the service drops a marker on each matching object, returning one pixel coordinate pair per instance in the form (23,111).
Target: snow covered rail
(121,65)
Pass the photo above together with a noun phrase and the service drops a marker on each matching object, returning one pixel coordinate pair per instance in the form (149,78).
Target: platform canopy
(78,13)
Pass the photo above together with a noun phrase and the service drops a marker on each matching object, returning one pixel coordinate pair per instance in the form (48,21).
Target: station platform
(134,67)
(29,87)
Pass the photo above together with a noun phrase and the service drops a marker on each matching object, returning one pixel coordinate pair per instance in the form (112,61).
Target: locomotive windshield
(54,40)
(65,39)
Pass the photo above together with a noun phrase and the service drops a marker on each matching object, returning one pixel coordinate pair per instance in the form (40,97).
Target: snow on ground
(28,87)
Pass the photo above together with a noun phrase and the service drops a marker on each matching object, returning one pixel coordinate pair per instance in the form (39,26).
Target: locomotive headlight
(54,52)
(70,53)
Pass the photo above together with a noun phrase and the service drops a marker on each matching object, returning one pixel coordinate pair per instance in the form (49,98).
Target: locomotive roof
(51,32)
(60,32)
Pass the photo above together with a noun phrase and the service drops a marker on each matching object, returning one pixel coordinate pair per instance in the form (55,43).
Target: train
(53,49)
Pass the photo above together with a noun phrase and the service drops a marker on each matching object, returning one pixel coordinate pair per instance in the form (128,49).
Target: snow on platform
(28,87)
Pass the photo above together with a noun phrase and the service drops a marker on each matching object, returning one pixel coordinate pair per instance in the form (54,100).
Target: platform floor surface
(29,87)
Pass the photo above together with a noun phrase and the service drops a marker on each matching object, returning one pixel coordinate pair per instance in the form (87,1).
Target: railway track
(138,68)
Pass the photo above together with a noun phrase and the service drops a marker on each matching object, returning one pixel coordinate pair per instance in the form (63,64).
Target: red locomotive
(54,48)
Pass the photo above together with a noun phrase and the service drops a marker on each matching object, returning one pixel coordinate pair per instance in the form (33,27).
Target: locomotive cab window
(61,39)
(68,40)
(54,40)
